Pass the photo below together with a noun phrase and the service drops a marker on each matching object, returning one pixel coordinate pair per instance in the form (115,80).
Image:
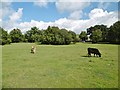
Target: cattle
(93,51)
(33,49)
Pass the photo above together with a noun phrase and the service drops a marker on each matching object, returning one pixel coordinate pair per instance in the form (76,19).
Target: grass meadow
(59,66)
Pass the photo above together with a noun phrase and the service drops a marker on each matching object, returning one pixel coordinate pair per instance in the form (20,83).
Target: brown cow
(33,49)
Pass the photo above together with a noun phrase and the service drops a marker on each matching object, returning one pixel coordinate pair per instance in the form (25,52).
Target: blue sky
(33,12)
(50,13)
(75,16)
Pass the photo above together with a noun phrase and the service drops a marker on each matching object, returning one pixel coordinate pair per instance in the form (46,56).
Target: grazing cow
(33,49)
(93,51)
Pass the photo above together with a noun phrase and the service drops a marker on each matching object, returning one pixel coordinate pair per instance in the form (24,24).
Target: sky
(75,16)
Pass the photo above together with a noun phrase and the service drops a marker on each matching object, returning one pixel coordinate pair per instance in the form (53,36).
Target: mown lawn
(62,66)
(0,67)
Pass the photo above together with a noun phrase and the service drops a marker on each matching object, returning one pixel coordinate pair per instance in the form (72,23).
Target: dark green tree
(4,37)
(16,35)
(33,35)
(74,36)
(24,39)
(96,36)
(55,36)
(113,35)
(103,29)
(83,36)
(67,37)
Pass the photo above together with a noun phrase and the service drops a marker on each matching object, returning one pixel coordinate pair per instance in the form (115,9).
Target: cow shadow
(84,56)
(89,56)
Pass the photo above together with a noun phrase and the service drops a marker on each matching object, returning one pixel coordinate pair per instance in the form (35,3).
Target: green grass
(62,66)
(0,67)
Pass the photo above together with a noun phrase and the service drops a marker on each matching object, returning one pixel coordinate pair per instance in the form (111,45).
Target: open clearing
(59,66)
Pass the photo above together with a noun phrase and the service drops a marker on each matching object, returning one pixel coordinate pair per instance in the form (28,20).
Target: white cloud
(25,26)
(41,3)
(104,17)
(71,6)
(74,8)
(5,4)
(13,21)
(6,0)
(76,15)
(61,0)
(0,22)
(0,10)
(5,9)
(99,16)
(16,15)
(97,13)
(108,18)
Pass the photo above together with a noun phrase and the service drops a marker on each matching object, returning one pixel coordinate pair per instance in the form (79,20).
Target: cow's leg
(89,54)
(97,55)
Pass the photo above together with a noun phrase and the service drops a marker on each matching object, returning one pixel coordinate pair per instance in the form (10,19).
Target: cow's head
(100,55)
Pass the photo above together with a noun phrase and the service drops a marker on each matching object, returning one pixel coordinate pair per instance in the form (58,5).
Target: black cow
(93,51)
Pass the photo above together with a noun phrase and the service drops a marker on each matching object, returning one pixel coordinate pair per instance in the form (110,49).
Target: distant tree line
(100,33)
(55,36)
(52,35)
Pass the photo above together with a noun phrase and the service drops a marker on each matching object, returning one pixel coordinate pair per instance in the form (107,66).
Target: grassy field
(0,67)
(59,66)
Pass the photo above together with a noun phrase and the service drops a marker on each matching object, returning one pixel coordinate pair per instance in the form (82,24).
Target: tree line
(55,36)
(52,35)
(101,33)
